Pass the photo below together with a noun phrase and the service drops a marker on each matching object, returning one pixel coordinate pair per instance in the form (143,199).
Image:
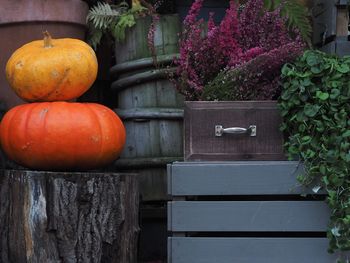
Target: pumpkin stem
(47,39)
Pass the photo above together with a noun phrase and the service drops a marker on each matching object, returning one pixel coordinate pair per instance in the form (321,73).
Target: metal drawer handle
(251,131)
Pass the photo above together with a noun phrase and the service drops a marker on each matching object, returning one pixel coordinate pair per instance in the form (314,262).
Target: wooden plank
(235,178)
(246,216)
(249,250)
(340,46)
(342,22)
(324,19)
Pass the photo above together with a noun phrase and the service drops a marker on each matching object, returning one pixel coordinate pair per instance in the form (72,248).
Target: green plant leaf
(343,68)
(322,95)
(125,21)
(346,134)
(311,110)
(316,70)
(317,127)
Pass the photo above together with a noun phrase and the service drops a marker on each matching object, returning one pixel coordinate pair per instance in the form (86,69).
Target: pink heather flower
(263,29)
(150,37)
(246,56)
(229,32)
(237,40)
(212,29)
(193,13)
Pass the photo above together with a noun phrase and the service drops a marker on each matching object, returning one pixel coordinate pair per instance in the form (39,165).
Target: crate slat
(263,220)
(248,250)
(235,178)
(277,216)
(340,46)
(324,14)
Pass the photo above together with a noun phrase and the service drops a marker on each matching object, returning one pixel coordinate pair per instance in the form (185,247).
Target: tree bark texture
(68,217)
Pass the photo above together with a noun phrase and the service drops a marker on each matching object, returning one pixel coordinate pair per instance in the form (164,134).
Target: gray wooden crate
(340,46)
(244,212)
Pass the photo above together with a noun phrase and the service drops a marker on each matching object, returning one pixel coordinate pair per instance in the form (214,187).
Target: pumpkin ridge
(56,87)
(43,124)
(90,66)
(115,120)
(28,120)
(26,124)
(96,117)
(5,133)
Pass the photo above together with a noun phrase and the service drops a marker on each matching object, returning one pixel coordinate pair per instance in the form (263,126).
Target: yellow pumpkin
(52,69)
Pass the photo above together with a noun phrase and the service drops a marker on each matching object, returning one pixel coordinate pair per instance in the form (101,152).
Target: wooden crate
(202,143)
(244,212)
(340,46)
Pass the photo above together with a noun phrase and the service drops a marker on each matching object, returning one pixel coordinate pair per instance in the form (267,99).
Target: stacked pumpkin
(50,133)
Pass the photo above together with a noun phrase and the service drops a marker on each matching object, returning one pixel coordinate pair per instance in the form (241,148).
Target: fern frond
(102,15)
(297,15)
(111,19)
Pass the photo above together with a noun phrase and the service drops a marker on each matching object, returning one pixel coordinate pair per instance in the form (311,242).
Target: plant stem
(47,40)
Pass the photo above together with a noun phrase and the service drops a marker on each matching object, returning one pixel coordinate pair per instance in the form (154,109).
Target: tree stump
(68,217)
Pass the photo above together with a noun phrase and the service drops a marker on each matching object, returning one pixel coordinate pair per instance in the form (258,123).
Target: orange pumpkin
(62,135)
(52,70)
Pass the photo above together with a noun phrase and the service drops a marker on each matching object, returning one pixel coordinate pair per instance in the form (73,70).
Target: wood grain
(201,144)
(248,216)
(236,178)
(249,250)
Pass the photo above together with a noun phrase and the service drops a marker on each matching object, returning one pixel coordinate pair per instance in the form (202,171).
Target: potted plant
(315,109)
(229,74)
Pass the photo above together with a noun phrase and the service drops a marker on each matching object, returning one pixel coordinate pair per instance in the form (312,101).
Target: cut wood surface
(68,217)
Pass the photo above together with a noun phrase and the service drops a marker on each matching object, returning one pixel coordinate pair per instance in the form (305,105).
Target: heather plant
(253,43)
(257,79)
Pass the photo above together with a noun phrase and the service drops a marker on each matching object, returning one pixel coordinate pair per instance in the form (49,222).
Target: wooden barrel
(149,104)
(135,45)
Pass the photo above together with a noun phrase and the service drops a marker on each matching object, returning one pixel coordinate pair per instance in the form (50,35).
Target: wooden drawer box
(202,143)
(244,212)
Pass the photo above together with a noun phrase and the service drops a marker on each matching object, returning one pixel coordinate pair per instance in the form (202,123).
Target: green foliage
(315,108)
(125,21)
(111,19)
(102,15)
(297,16)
